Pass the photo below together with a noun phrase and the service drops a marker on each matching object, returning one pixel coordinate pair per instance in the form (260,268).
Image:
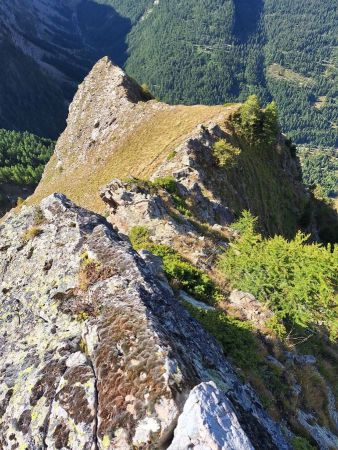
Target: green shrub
(139,237)
(180,272)
(235,336)
(225,153)
(255,124)
(171,155)
(300,443)
(184,275)
(168,183)
(298,281)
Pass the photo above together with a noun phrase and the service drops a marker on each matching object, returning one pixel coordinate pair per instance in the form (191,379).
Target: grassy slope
(138,154)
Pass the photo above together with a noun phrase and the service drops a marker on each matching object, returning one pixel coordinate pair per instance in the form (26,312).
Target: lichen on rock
(106,365)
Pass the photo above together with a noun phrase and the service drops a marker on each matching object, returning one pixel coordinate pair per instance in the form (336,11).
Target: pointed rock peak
(103,104)
(106,73)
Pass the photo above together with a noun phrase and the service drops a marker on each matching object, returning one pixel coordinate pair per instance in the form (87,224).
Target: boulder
(208,421)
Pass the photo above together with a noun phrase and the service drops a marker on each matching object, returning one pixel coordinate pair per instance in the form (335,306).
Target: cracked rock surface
(95,351)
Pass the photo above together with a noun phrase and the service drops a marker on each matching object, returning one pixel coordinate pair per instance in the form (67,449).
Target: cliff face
(113,133)
(97,353)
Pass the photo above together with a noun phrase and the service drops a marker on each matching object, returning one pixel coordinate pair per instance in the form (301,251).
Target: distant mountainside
(46,48)
(191,51)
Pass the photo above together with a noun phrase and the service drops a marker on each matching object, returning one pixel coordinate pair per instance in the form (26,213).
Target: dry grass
(31,233)
(314,393)
(137,154)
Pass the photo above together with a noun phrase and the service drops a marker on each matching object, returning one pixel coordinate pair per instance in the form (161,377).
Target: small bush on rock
(31,233)
(225,153)
(139,237)
(168,183)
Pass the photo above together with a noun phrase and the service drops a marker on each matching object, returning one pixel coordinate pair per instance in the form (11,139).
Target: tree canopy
(23,157)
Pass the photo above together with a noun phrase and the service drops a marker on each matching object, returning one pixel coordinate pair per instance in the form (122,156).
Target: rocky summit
(96,353)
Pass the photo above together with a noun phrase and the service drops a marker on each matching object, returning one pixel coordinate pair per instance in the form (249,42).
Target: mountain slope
(185,174)
(218,51)
(47,47)
(209,52)
(113,133)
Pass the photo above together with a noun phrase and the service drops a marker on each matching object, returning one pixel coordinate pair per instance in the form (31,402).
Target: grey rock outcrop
(133,202)
(105,102)
(250,308)
(95,352)
(208,421)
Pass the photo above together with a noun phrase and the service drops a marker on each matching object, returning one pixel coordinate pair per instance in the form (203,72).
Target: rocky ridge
(97,353)
(162,174)
(112,132)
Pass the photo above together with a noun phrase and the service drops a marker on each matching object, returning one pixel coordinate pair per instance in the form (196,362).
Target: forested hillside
(216,51)
(187,51)
(22,160)
(320,169)
(23,157)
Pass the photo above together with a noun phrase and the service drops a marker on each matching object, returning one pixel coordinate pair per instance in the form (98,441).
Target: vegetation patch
(31,233)
(225,153)
(300,443)
(258,126)
(235,336)
(297,280)
(168,183)
(180,272)
(92,271)
(171,155)
(278,71)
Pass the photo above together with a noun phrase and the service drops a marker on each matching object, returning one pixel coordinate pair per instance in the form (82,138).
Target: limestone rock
(208,421)
(95,352)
